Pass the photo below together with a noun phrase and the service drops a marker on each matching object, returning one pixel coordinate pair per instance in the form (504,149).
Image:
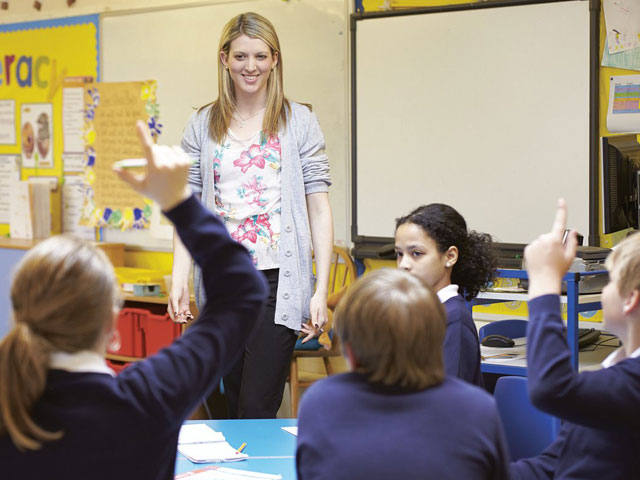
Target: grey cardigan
(305,170)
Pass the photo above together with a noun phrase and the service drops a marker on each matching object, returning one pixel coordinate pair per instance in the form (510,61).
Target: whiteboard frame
(368,246)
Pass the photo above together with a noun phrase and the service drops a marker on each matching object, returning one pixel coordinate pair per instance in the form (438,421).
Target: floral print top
(247,193)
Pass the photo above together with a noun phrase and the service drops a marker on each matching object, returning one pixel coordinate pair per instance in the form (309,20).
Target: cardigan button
(285,316)
(288,253)
(287,273)
(285,296)
(288,229)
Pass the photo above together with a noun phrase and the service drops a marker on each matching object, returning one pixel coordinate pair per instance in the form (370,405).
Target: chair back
(515,328)
(528,431)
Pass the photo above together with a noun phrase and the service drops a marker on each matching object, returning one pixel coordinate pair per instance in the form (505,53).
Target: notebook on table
(201,444)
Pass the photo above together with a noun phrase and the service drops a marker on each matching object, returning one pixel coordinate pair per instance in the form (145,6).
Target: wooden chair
(343,273)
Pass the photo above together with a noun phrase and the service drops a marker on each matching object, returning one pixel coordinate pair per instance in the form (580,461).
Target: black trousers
(255,384)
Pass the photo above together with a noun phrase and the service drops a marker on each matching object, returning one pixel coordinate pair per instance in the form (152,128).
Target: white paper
(73,162)
(211,452)
(292,430)
(222,473)
(73,198)
(622,18)
(7,122)
(624,104)
(198,433)
(36,134)
(9,174)
(73,119)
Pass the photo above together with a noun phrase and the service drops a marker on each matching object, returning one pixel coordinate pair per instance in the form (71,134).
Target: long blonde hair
(275,115)
(63,296)
(395,326)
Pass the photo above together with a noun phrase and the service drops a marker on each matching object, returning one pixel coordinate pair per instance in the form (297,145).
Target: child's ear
(451,256)
(632,302)
(351,357)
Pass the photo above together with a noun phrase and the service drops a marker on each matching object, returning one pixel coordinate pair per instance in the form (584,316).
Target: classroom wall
(327,46)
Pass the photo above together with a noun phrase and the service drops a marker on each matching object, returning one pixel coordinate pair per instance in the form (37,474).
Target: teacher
(260,164)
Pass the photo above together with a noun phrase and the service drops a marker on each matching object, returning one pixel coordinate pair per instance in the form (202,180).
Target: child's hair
(395,326)
(476,257)
(275,116)
(64,295)
(625,259)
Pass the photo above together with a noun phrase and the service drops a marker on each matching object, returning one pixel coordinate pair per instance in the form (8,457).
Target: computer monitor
(620,161)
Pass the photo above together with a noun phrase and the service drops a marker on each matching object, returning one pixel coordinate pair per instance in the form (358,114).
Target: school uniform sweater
(601,438)
(126,427)
(461,347)
(352,429)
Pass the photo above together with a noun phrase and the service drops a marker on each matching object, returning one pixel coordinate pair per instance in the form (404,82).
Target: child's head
(433,243)
(64,297)
(394,326)
(623,264)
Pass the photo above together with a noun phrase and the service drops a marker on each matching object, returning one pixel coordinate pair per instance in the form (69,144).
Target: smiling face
(418,254)
(613,306)
(250,63)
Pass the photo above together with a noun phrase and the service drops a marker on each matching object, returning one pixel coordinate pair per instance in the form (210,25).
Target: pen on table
(241,447)
(565,235)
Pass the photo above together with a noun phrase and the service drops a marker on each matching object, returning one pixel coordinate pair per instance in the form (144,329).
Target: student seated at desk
(396,415)
(601,436)
(63,413)
(433,243)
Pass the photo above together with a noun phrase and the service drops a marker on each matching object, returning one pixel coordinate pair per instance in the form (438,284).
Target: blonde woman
(63,412)
(259,163)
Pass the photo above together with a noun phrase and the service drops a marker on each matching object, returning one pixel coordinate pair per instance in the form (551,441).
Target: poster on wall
(9,174)
(623,115)
(7,122)
(111,113)
(35,60)
(36,132)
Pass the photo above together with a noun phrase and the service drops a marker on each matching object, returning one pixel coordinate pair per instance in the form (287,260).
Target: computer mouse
(498,341)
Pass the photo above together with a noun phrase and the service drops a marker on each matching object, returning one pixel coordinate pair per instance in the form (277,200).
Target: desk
(270,449)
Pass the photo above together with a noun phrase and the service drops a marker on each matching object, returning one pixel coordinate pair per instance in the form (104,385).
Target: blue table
(270,449)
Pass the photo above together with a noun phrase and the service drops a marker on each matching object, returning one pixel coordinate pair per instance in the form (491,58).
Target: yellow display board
(35,58)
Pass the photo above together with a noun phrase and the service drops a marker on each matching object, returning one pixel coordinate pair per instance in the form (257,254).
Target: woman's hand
(319,317)
(178,304)
(548,258)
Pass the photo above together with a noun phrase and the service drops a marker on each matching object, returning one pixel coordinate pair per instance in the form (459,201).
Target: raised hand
(548,258)
(165,176)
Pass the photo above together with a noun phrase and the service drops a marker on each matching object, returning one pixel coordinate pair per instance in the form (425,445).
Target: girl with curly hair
(433,243)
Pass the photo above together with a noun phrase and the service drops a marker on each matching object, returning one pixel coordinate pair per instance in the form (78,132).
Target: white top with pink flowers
(247,193)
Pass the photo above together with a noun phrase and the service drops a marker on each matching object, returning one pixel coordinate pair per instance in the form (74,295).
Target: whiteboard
(486,110)
(178,48)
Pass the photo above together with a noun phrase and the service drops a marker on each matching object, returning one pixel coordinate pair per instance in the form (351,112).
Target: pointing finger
(560,222)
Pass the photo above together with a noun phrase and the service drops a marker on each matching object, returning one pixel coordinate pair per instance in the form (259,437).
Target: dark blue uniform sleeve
(171,383)
(543,466)
(606,399)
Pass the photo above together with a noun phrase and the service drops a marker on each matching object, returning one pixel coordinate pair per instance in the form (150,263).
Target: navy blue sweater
(461,347)
(127,427)
(601,438)
(352,429)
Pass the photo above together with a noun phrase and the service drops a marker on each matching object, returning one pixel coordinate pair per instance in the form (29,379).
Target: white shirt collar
(447,292)
(82,361)
(617,356)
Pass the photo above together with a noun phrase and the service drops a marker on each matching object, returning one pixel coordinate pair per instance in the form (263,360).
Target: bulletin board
(177,47)
(34,60)
(485,109)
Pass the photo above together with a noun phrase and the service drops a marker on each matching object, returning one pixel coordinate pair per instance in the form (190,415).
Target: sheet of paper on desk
(198,433)
(211,452)
(292,430)
(221,473)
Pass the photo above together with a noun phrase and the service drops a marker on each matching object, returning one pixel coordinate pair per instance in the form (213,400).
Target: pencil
(241,447)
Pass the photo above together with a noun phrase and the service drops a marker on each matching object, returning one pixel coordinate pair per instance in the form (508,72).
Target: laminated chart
(624,104)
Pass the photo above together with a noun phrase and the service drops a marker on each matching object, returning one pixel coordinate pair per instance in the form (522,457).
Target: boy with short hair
(396,415)
(601,438)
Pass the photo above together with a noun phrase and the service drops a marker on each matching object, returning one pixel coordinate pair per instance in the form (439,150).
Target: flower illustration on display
(90,155)
(139,220)
(89,133)
(246,231)
(115,218)
(253,156)
(152,109)
(107,214)
(154,127)
(127,219)
(90,108)
(148,91)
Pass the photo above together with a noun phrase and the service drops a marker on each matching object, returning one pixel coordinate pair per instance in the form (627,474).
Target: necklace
(241,120)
